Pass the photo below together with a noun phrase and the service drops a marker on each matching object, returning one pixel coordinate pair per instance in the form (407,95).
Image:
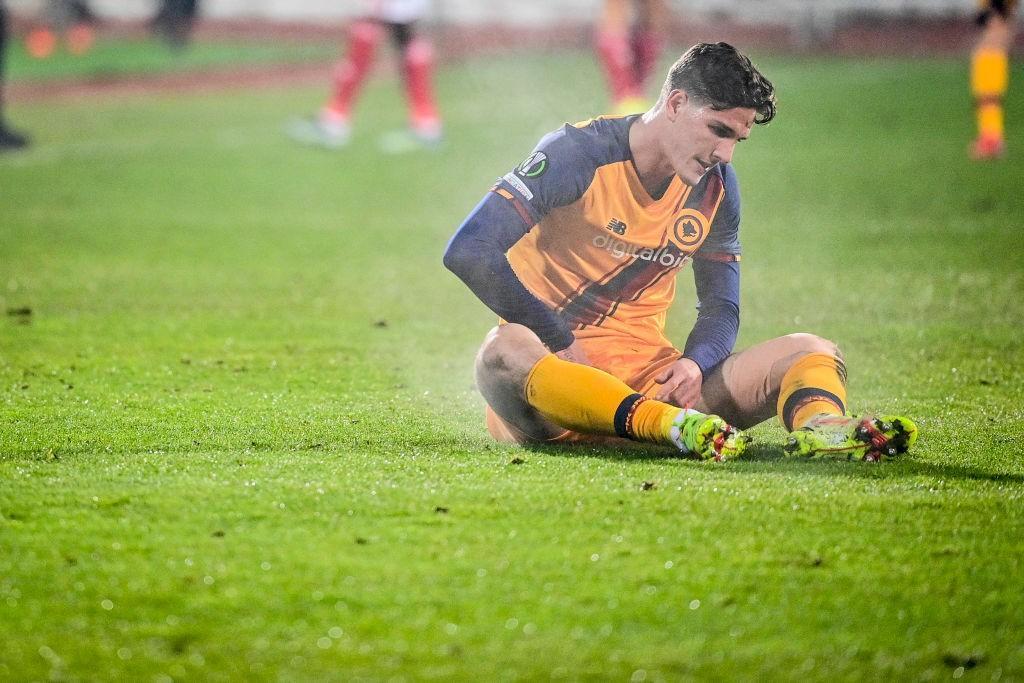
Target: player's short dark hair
(719,76)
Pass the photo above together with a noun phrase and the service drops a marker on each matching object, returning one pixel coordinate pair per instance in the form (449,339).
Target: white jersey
(399,11)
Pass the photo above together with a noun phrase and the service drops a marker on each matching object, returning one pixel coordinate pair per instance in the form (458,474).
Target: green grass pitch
(111,58)
(239,438)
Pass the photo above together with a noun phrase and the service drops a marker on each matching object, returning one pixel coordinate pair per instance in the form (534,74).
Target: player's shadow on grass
(762,458)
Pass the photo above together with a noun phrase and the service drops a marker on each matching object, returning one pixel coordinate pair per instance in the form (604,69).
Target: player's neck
(652,166)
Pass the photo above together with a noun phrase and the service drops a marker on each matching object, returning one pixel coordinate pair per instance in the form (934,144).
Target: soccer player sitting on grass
(577,251)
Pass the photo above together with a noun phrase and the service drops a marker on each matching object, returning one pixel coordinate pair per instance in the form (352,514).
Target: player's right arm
(550,177)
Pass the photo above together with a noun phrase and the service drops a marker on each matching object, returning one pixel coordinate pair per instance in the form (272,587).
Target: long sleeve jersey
(570,244)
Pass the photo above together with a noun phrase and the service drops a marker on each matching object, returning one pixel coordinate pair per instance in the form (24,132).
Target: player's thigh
(651,14)
(615,15)
(998,29)
(997,34)
(744,389)
(503,365)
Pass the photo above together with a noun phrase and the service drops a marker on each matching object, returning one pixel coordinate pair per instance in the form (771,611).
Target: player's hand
(680,384)
(574,353)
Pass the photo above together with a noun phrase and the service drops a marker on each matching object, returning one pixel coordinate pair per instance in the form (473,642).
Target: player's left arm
(716,274)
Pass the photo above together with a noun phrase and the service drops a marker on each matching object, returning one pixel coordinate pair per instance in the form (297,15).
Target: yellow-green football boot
(707,437)
(866,438)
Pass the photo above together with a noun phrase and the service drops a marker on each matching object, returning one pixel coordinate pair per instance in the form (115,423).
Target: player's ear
(677,100)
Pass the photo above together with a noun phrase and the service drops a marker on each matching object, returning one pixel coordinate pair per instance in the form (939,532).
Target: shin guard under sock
(815,384)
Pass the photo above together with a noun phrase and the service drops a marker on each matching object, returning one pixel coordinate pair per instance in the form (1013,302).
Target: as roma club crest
(690,228)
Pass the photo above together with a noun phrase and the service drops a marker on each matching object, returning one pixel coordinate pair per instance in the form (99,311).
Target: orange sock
(990,119)
(814,385)
(652,421)
(990,77)
(590,401)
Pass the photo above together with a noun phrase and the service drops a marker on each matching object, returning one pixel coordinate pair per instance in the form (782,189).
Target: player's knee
(805,343)
(508,354)
(419,52)
(491,358)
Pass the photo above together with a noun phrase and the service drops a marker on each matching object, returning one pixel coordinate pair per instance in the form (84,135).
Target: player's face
(700,137)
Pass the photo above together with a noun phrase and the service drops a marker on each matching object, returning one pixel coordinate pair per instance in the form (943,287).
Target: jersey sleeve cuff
(558,341)
(705,359)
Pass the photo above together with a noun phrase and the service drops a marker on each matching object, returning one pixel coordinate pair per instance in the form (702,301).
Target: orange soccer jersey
(602,252)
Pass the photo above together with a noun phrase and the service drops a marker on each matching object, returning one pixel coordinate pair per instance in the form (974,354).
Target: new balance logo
(617,226)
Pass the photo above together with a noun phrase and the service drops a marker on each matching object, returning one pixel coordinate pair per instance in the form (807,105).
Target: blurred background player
(9,139)
(71,19)
(629,40)
(174,21)
(990,75)
(332,128)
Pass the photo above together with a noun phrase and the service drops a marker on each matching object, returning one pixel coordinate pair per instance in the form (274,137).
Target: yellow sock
(815,384)
(990,119)
(652,421)
(590,401)
(990,77)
